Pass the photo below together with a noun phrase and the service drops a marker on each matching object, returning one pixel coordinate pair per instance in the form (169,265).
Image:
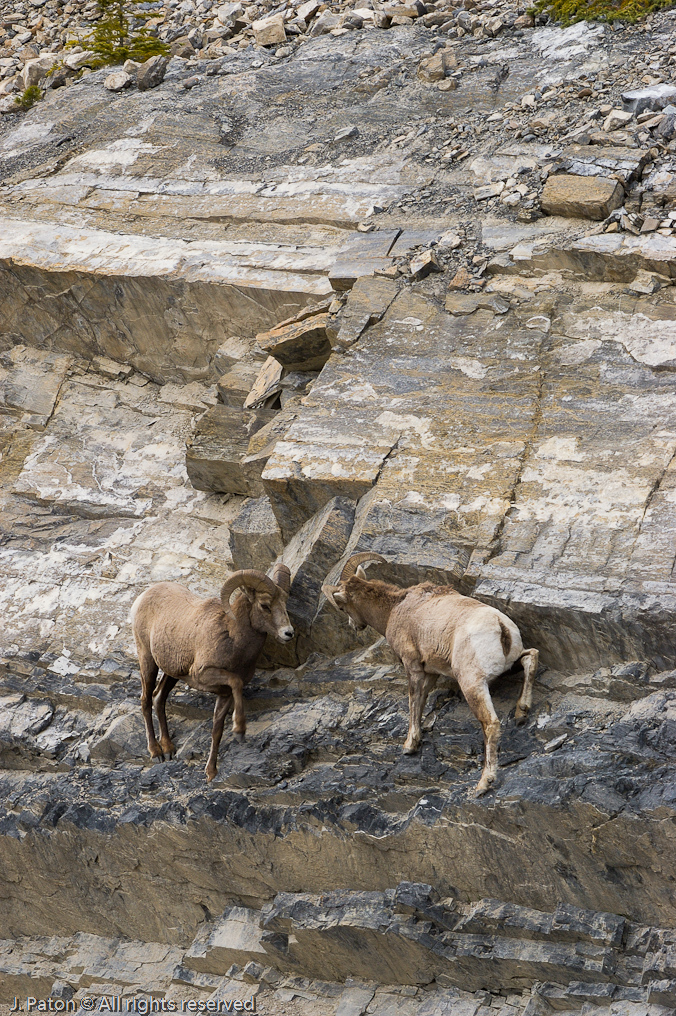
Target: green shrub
(28,98)
(569,11)
(115,40)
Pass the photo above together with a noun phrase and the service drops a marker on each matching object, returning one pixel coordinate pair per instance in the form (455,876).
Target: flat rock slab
(302,345)
(623,164)
(221,440)
(328,455)
(606,257)
(30,380)
(100,459)
(255,539)
(587,197)
(93,292)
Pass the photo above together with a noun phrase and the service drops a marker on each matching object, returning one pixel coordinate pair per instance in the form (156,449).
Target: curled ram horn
(249,577)
(351,566)
(281,576)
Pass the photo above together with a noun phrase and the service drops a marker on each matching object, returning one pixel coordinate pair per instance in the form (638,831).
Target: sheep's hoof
(484,785)
(168,749)
(156,752)
(411,749)
(239,736)
(211,773)
(520,716)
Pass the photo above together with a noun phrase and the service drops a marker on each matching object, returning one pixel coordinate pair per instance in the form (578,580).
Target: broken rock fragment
(336,454)
(368,300)
(581,196)
(310,556)
(214,454)
(151,73)
(301,345)
(424,263)
(436,67)
(270,31)
(117,81)
(266,386)
(255,539)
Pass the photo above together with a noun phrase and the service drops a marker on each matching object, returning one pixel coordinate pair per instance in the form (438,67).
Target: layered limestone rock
(315,278)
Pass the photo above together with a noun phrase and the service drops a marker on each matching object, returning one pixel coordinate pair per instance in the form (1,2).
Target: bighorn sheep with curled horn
(212,645)
(435,630)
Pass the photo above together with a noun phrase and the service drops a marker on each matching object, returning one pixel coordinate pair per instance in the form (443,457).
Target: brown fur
(435,630)
(197,641)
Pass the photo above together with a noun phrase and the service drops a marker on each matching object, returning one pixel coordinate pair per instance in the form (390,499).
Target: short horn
(281,576)
(249,577)
(351,566)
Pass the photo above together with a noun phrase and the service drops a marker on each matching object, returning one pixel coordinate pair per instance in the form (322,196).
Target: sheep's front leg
(419,684)
(479,700)
(149,670)
(238,717)
(529,662)
(166,686)
(220,710)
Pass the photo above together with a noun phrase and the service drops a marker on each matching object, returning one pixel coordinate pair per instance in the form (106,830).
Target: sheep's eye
(266,606)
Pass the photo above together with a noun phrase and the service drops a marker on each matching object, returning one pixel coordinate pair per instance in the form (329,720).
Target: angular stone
(575,924)
(124,739)
(353,1001)
(583,197)
(255,539)
(30,380)
(270,31)
(117,81)
(616,118)
(623,164)
(34,71)
(368,300)
(302,345)
(662,992)
(310,556)
(364,254)
(221,440)
(235,386)
(332,455)
(654,97)
(263,443)
(266,386)
(230,352)
(422,264)
(235,938)
(435,68)
(151,73)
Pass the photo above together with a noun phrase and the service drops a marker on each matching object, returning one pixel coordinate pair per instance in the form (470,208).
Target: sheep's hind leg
(419,685)
(164,689)
(148,678)
(479,700)
(529,662)
(220,709)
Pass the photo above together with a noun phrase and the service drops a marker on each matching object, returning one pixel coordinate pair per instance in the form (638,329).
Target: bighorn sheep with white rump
(435,630)
(212,645)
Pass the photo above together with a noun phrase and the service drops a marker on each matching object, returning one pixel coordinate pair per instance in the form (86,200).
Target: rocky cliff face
(400,282)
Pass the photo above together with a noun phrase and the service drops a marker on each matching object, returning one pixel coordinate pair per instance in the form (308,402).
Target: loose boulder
(151,73)
(214,454)
(585,197)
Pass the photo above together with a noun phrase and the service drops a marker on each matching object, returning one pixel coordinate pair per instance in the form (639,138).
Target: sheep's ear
(340,597)
(360,573)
